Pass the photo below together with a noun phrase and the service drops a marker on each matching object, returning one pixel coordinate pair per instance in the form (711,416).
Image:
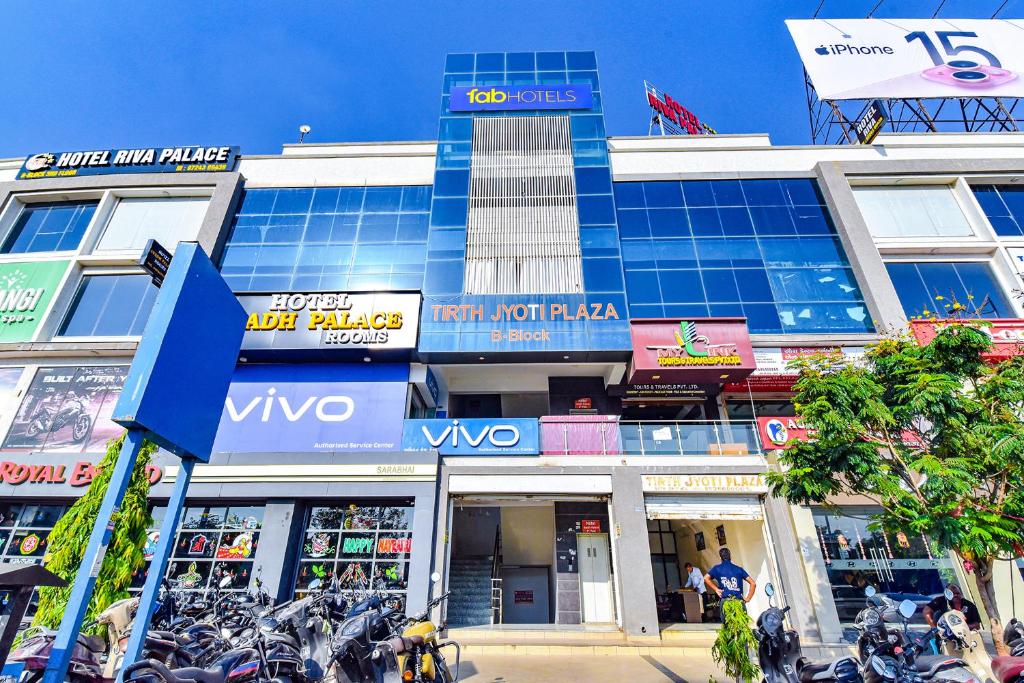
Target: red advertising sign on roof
(1007,334)
(694,351)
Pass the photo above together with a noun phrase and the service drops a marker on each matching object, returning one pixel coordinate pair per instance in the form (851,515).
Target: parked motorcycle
(36,646)
(780,657)
(413,653)
(1010,668)
(895,655)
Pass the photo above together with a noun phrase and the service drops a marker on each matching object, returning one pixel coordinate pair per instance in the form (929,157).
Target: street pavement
(580,669)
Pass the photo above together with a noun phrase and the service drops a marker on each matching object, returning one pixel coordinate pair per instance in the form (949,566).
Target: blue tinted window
(766,250)
(550,61)
(49,227)
(596,209)
(602,275)
(581,60)
(1004,207)
(320,238)
(490,61)
(930,289)
(458,63)
(521,61)
(593,181)
(110,306)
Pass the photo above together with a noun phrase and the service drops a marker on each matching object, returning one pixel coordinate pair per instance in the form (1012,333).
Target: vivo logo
(492,433)
(325,408)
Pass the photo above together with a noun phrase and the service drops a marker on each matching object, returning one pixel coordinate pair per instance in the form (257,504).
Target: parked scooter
(957,639)
(894,655)
(1010,669)
(36,646)
(780,657)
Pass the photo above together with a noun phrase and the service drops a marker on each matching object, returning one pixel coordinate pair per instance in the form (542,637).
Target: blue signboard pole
(158,566)
(85,579)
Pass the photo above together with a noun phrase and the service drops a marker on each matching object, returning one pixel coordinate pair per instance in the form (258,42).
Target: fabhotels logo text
(519,97)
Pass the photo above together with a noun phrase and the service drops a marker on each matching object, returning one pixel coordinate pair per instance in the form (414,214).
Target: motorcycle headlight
(772,622)
(871,618)
(352,628)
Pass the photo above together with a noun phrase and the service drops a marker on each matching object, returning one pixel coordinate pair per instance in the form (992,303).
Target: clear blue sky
(88,75)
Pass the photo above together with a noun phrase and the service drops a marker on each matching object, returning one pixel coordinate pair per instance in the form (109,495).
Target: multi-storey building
(547,363)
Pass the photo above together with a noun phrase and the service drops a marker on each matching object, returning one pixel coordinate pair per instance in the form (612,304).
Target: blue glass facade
(57,226)
(348,238)
(763,249)
(446,245)
(929,289)
(1004,207)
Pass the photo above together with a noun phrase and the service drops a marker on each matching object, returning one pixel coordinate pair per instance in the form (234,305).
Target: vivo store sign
(521,97)
(473,436)
(909,58)
(314,407)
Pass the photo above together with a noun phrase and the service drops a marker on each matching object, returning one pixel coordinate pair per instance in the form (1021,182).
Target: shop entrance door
(595,577)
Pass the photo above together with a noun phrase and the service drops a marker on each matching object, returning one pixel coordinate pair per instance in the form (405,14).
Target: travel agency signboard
(192,159)
(695,351)
(330,320)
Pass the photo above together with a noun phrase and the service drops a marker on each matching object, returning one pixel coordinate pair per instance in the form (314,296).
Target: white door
(595,577)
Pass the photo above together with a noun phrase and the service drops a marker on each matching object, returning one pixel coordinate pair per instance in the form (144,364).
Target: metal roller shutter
(704,507)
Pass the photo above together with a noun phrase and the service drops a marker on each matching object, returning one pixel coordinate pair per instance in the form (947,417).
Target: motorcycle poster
(68,410)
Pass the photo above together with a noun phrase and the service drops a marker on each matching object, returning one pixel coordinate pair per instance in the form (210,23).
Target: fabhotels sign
(143,160)
(330,320)
(474,436)
(25,292)
(521,97)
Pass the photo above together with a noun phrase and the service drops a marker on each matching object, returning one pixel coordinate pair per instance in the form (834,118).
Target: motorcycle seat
(402,644)
(809,670)
(92,643)
(1007,668)
(191,673)
(930,664)
(282,638)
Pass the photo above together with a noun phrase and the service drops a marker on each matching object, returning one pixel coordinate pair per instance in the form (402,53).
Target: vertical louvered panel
(523,232)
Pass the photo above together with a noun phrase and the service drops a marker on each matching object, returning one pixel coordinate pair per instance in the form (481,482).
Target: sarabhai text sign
(521,97)
(191,159)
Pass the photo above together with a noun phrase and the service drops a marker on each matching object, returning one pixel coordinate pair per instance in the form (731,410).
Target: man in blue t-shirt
(726,578)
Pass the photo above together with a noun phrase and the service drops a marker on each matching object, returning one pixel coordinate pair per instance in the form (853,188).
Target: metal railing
(649,438)
(496,606)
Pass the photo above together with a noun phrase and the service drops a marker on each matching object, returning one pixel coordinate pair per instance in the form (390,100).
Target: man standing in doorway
(695,580)
(725,578)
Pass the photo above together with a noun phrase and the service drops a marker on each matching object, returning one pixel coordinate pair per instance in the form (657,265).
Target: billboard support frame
(830,125)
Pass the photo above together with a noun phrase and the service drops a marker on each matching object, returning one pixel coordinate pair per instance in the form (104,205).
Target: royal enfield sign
(330,320)
(473,436)
(142,160)
(1007,334)
(695,351)
(521,97)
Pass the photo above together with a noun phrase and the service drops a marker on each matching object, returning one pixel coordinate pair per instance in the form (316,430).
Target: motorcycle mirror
(907,608)
(870,591)
(948,594)
(314,584)
(435,577)
(225,582)
(769,590)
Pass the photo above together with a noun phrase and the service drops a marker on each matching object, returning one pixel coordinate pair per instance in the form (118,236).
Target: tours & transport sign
(330,320)
(700,350)
(521,97)
(191,159)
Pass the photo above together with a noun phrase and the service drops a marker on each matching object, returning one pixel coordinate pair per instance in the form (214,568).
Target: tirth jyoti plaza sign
(694,351)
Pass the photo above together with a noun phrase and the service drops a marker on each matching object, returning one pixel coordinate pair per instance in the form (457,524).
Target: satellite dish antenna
(304,130)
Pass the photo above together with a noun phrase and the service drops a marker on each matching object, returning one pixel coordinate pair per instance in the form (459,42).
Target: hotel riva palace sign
(189,159)
(693,351)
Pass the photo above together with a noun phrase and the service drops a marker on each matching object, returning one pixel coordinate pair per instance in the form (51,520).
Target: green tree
(735,643)
(70,536)
(932,434)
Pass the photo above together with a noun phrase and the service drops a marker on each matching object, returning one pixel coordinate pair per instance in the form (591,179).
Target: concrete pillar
(421,557)
(816,573)
(277,550)
(633,576)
